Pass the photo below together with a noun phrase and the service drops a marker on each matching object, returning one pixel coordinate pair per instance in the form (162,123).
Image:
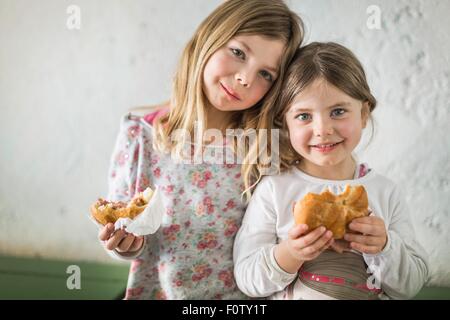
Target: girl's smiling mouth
(325,148)
(230,93)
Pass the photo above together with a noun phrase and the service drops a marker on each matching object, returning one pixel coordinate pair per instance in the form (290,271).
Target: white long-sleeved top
(401,268)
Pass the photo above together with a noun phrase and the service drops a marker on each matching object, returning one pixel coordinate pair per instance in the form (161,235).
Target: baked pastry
(332,211)
(105,211)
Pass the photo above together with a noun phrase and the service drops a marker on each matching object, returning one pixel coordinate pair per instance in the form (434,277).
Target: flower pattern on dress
(190,256)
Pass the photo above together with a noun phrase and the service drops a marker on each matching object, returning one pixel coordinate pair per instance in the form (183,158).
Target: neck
(217,119)
(342,171)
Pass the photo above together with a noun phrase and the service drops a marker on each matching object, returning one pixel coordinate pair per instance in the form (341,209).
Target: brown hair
(330,61)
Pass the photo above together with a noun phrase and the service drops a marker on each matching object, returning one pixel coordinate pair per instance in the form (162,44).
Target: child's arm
(261,266)
(123,183)
(401,267)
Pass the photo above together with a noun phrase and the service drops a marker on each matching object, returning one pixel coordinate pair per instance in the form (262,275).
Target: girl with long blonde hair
(234,63)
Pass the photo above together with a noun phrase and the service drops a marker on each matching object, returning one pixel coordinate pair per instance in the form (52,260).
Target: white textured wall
(62,93)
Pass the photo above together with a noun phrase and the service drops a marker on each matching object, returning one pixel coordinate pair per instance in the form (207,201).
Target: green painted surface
(434,293)
(26,278)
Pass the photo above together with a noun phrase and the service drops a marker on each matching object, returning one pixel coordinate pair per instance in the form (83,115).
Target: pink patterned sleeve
(123,168)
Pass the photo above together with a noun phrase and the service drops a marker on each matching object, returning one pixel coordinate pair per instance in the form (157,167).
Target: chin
(324,162)
(222,108)
(228,108)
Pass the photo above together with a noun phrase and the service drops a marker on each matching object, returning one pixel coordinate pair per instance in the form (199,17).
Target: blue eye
(266,75)
(238,53)
(338,112)
(303,117)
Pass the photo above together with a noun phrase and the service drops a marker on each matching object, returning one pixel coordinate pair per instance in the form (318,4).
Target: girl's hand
(370,236)
(120,240)
(306,246)
(340,245)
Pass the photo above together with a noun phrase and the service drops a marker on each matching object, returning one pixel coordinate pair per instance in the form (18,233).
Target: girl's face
(325,125)
(240,73)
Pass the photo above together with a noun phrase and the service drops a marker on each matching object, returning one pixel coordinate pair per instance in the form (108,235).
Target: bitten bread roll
(332,211)
(105,211)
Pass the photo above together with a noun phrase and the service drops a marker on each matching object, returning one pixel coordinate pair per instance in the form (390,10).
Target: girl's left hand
(370,236)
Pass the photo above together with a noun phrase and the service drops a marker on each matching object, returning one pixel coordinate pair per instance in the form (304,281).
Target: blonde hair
(330,61)
(269,18)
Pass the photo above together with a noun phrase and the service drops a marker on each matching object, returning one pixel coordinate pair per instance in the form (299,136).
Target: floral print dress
(190,256)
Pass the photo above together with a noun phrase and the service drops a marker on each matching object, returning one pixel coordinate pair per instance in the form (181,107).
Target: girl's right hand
(120,240)
(305,246)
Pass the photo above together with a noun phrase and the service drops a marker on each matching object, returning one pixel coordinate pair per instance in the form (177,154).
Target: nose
(244,78)
(322,127)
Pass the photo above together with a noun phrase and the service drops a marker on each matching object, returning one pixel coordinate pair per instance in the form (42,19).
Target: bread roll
(105,211)
(332,211)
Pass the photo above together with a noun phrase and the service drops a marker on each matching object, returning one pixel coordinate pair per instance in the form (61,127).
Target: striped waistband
(304,275)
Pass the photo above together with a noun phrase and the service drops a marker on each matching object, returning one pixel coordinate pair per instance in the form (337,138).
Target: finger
(340,245)
(368,229)
(126,243)
(105,232)
(337,247)
(316,251)
(328,244)
(311,238)
(321,243)
(137,244)
(364,248)
(297,231)
(366,240)
(114,241)
(369,220)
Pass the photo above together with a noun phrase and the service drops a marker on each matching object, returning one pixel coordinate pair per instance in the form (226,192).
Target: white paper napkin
(147,222)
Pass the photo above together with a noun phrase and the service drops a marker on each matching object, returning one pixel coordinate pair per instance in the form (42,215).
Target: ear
(365,113)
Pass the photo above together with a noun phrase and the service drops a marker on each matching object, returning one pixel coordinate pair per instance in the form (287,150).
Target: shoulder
(133,129)
(278,183)
(281,179)
(144,110)
(142,116)
(384,190)
(150,113)
(382,182)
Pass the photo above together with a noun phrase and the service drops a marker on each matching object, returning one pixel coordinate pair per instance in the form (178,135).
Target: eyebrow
(339,104)
(274,70)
